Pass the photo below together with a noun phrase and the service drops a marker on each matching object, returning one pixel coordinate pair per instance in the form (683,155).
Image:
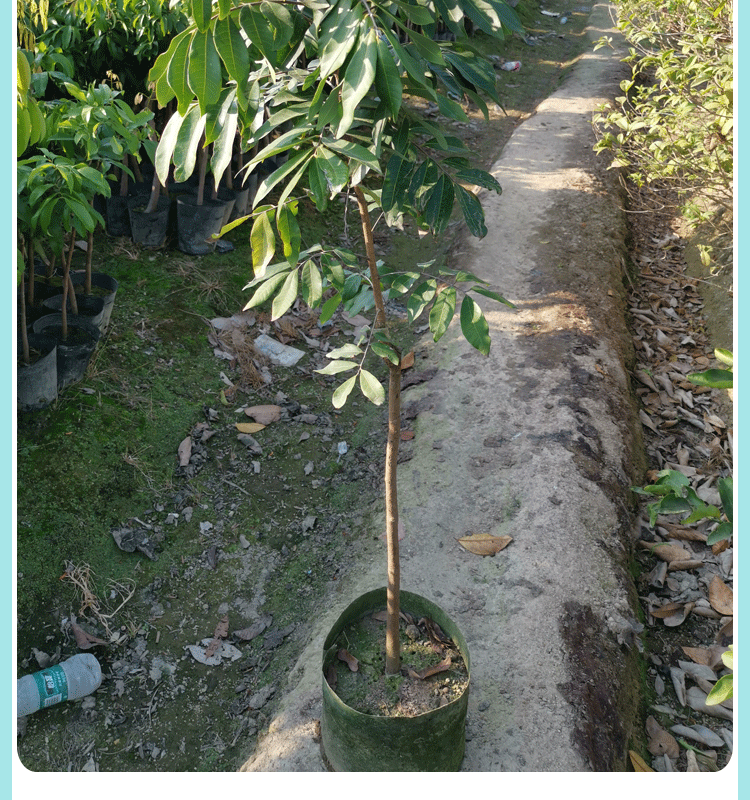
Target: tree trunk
(392,642)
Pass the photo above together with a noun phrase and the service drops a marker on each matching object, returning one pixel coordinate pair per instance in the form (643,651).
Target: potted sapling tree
(328,86)
(54,208)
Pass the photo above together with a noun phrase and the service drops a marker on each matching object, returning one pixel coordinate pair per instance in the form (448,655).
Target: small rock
(244,542)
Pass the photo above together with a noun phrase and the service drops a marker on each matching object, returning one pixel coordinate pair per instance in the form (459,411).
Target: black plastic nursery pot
(197,223)
(106,287)
(357,742)
(149,229)
(36,384)
(73,352)
(89,307)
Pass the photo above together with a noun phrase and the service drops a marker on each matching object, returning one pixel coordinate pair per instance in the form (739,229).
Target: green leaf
(442,312)
(343,391)
(478,177)
(284,299)
(335,367)
(353,152)
(312,284)
(338,34)
(385,351)
(289,233)
(721,691)
(186,146)
(328,309)
(345,351)
(204,69)
(472,210)
(278,175)
(166,147)
(474,326)
(725,356)
(200,10)
(358,78)
(726,493)
(419,299)
(388,79)
(371,387)
(262,242)
(260,33)
(451,109)
(177,75)
(232,50)
(722,531)
(492,295)
(225,6)
(439,204)
(715,378)
(398,173)
(332,169)
(429,50)
(266,290)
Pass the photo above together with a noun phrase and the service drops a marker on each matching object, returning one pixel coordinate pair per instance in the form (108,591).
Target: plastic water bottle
(77,677)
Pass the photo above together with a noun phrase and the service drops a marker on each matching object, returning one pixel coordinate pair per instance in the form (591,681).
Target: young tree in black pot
(328,83)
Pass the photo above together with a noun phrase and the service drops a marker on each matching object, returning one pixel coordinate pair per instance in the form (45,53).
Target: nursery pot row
(430,742)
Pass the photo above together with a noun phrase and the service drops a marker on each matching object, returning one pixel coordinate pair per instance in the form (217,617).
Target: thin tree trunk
(202,165)
(392,641)
(30,269)
(24,332)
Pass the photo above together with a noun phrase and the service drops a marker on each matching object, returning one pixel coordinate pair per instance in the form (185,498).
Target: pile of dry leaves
(686,587)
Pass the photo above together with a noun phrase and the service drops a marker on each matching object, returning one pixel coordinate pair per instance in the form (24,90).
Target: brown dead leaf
(427,672)
(265,415)
(249,427)
(345,656)
(661,743)
(667,551)
(725,636)
(673,614)
(666,610)
(683,533)
(484,544)
(84,640)
(721,596)
(407,361)
(380,616)
(407,435)
(222,628)
(184,450)
(331,676)
(639,765)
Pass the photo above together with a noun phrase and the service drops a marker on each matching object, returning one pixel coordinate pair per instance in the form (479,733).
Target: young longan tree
(322,89)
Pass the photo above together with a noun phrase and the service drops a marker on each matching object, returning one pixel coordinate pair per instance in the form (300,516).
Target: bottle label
(52,686)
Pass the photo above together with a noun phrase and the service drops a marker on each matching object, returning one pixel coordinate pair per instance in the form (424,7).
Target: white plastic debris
(277,353)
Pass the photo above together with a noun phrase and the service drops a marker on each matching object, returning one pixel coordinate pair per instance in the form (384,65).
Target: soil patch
(433,672)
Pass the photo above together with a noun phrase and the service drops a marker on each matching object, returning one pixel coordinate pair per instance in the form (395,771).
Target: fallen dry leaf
(667,551)
(249,427)
(427,672)
(484,544)
(661,742)
(264,414)
(707,656)
(407,435)
(184,450)
(639,765)
(350,661)
(222,629)
(721,596)
(84,640)
(407,361)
